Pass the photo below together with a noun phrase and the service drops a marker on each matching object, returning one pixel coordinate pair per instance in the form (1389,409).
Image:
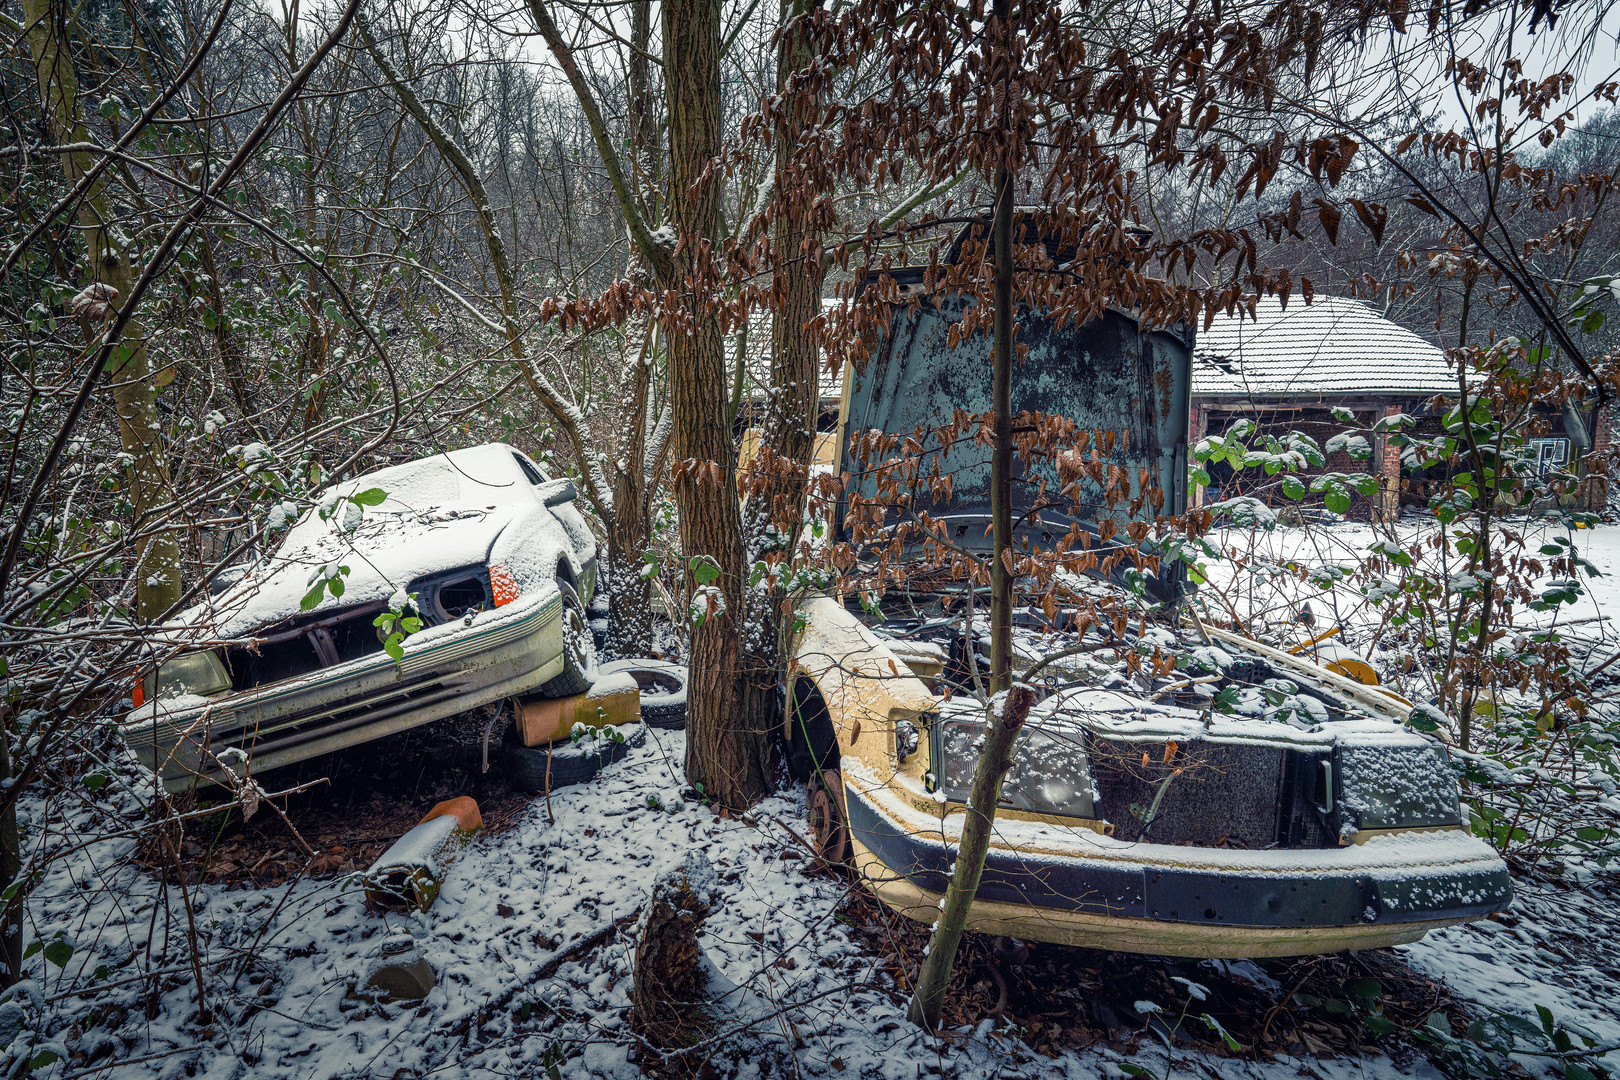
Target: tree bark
(1001,576)
(629,599)
(157,572)
(728,745)
(669,980)
(994,760)
(788,428)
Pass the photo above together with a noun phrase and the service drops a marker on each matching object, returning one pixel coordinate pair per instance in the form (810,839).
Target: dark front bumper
(1239,897)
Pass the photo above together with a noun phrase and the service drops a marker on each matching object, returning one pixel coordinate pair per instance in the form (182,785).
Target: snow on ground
(1258,588)
(797,993)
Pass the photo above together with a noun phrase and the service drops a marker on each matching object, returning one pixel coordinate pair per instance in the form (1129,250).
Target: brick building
(1287,369)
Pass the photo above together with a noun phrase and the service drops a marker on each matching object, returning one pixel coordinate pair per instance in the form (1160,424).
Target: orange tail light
(502,584)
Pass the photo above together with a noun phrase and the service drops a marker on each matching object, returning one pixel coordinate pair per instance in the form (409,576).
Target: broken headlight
(459,594)
(907,740)
(1395,785)
(199,673)
(1050,775)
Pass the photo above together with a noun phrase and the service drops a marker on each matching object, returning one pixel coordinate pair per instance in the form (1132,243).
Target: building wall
(1318,423)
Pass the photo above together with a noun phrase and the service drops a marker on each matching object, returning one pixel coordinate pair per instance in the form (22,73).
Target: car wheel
(829,832)
(543,768)
(579,649)
(663,690)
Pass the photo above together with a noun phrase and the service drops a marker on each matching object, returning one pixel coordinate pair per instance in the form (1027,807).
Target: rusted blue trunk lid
(1109,375)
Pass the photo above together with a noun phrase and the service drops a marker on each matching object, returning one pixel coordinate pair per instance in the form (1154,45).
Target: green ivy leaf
(705,570)
(1226,1036)
(59,952)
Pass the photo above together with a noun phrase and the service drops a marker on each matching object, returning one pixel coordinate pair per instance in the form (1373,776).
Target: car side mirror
(225,579)
(557,492)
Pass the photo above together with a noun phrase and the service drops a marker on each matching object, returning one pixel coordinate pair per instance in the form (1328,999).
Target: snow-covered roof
(759,355)
(1332,347)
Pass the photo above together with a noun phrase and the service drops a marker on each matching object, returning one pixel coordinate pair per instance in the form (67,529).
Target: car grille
(1211,794)
(304,644)
(288,730)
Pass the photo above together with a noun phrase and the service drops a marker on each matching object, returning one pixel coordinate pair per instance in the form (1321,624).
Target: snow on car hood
(384,553)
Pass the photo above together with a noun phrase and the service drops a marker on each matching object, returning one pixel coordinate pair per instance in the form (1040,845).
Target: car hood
(384,552)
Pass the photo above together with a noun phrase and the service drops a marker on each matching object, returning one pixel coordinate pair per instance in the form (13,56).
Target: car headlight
(1395,786)
(907,739)
(1050,775)
(200,673)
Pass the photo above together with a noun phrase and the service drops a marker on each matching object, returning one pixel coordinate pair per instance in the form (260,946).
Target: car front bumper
(505,652)
(1176,901)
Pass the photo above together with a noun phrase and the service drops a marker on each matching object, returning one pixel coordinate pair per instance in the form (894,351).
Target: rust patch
(1161,379)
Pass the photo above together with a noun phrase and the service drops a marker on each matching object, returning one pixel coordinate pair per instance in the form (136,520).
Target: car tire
(663,690)
(542,768)
(824,805)
(579,648)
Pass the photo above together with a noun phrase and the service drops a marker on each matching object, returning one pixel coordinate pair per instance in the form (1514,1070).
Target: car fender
(582,542)
(867,689)
(533,545)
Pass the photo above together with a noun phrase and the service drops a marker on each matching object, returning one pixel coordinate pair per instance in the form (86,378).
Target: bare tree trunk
(1001,576)
(666,997)
(157,575)
(232,356)
(628,592)
(11,911)
(644,137)
(788,429)
(727,746)
(994,761)
(1007,713)
(635,478)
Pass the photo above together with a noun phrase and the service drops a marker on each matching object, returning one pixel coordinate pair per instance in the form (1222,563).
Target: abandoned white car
(490,556)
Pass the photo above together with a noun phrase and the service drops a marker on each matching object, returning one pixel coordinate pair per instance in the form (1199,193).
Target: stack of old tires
(563,761)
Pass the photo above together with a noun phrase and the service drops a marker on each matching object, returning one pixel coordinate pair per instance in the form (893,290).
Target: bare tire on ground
(829,832)
(663,690)
(579,648)
(542,768)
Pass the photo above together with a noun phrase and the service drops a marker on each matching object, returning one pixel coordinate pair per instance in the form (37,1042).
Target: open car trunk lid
(1111,375)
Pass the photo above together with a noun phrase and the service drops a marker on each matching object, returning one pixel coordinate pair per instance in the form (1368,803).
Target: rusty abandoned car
(1307,816)
(501,566)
